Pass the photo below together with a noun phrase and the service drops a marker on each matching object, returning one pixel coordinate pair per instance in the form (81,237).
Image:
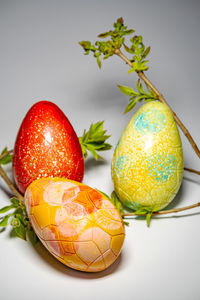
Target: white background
(40,59)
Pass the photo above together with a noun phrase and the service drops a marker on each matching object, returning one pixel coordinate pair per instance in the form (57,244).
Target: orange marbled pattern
(77,224)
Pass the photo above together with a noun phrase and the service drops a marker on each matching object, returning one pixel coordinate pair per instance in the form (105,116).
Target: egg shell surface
(77,224)
(147,165)
(46,145)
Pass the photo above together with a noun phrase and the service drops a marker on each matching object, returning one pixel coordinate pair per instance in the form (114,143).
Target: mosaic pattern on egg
(76,223)
(147,165)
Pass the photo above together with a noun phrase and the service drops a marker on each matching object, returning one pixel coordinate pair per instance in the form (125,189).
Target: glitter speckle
(46,145)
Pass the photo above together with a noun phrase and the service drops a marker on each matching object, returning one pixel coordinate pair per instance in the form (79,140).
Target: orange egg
(77,224)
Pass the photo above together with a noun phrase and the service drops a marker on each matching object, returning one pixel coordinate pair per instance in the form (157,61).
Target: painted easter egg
(46,145)
(147,166)
(77,224)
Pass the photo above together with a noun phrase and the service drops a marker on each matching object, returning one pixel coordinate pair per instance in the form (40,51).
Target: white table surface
(40,59)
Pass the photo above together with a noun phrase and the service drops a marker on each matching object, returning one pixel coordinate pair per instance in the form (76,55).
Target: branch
(10,184)
(163,100)
(163,212)
(192,171)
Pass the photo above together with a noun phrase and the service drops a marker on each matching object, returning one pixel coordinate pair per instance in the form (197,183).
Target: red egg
(46,146)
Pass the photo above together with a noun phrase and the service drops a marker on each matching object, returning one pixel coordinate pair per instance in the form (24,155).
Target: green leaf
(6,208)
(20,217)
(146,52)
(97,55)
(138,96)
(144,211)
(19,226)
(99,62)
(83,147)
(20,231)
(103,194)
(19,220)
(140,87)
(126,90)
(149,99)
(105,34)
(129,50)
(130,31)
(142,66)
(134,67)
(130,106)
(94,139)
(4,221)
(15,202)
(126,223)
(85,44)
(32,236)
(115,200)
(141,212)
(4,150)
(93,152)
(15,222)
(99,146)
(138,66)
(120,21)
(7,158)
(148,218)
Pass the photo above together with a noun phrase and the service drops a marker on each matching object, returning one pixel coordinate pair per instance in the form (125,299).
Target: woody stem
(163,100)
(164,212)
(10,184)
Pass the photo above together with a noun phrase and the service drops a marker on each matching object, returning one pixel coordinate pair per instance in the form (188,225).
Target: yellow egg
(147,166)
(77,224)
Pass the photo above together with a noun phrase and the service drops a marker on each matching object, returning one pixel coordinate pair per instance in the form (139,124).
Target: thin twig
(163,100)
(192,171)
(10,184)
(164,212)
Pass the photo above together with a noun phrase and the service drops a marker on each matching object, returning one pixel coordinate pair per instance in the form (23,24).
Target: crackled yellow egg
(147,166)
(77,224)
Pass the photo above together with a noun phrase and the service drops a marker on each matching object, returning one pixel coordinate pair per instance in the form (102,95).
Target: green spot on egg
(120,162)
(161,167)
(150,121)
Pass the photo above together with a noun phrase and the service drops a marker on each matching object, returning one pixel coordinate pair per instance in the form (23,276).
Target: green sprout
(94,139)
(137,50)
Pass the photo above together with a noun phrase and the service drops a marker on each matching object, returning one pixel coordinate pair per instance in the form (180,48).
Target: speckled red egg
(46,146)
